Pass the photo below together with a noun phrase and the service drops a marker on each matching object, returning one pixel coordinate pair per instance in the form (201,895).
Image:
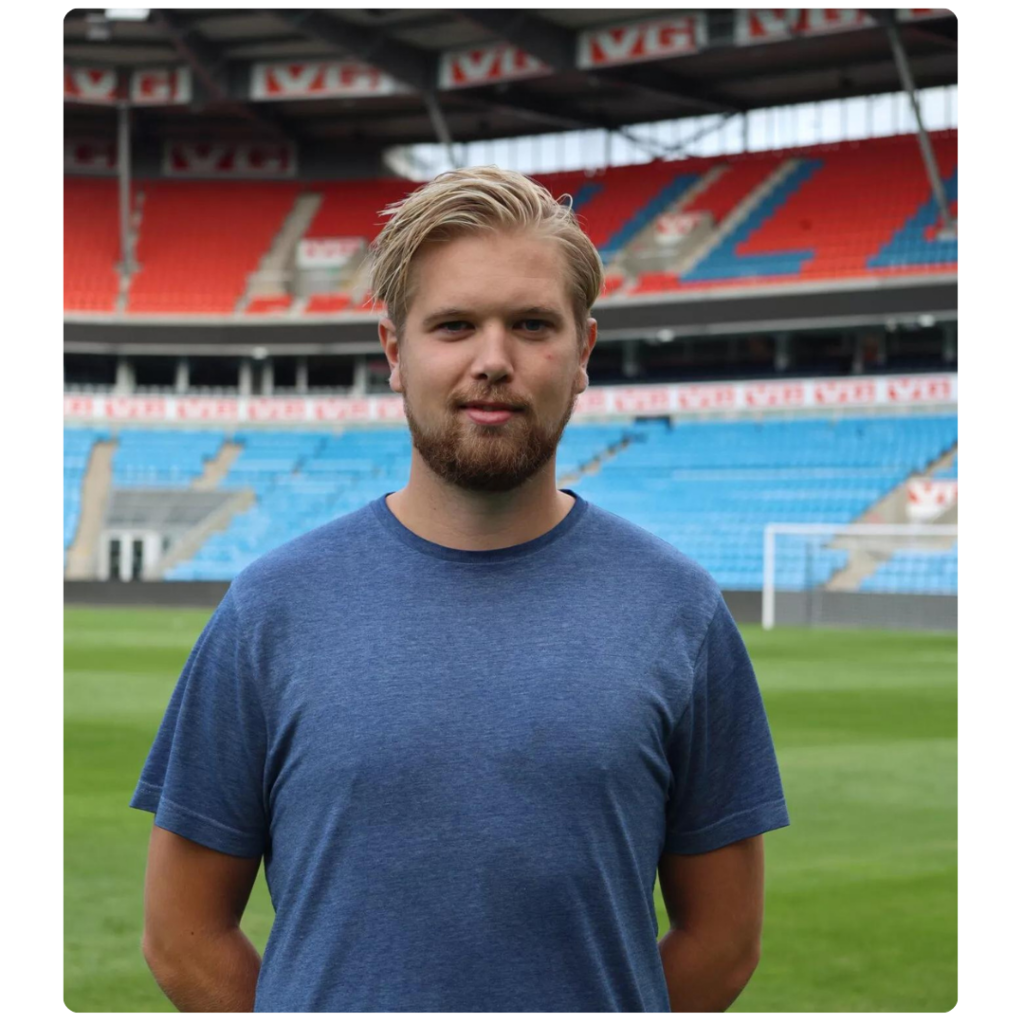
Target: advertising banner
(229,159)
(90,156)
(768,25)
(642,40)
(161,86)
(327,253)
(462,69)
(319,79)
(928,499)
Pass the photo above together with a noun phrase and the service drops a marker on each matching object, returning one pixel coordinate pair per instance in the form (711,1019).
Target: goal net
(897,576)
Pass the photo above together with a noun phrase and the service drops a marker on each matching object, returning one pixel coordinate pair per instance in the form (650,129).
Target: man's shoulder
(631,545)
(301,565)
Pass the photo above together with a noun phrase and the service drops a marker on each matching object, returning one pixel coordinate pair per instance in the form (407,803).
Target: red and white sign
(597,402)
(207,409)
(327,253)
(91,85)
(642,40)
(671,228)
(161,86)
(914,13)
(90,156)
(858,391)
(768,25)
(277,410)
(920,389)
(774,395)
(133,407)
(462,69)
(705,396)
(928,499)
(319,79)
(79,407)
(229,160)
(146,86)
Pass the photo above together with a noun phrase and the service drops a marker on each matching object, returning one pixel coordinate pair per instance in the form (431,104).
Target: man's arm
(715,904)
(192,942)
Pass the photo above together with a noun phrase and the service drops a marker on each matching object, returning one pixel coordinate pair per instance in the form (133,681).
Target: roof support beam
(373,46)
(208,65)
(892,30)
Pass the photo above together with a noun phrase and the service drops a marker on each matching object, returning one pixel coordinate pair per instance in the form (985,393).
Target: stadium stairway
(215,469)
(668,195)
(727,259)
(635,259)
(891,510)
(741,211)
(278,261)
(96,487)
(592,465)
(200,240)
(945,466)
(235,503)
(125,276)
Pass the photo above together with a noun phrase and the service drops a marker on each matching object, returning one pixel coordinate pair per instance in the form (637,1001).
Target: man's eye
(530,326)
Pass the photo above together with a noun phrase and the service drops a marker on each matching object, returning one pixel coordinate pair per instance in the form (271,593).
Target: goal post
(901,575)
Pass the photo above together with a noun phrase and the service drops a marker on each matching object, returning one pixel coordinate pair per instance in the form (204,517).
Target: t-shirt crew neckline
(396,529)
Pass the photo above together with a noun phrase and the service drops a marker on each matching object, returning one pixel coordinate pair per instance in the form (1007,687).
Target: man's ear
(591,335)
(387,332)
(587,352)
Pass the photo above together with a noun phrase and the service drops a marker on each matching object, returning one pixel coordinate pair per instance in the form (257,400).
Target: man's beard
(480,458)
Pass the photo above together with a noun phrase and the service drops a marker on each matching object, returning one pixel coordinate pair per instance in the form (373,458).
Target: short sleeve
(725,777)
(203,778)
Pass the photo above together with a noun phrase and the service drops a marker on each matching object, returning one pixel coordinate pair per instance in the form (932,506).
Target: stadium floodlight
(126,13)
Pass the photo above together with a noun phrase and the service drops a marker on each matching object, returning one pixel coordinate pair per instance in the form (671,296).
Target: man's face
(490,321)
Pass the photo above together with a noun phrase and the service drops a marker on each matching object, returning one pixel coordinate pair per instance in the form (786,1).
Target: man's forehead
(535,275)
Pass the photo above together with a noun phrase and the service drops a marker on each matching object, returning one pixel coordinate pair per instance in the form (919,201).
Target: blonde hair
(471,200)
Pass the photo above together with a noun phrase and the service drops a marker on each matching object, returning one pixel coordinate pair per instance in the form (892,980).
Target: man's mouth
(489,413)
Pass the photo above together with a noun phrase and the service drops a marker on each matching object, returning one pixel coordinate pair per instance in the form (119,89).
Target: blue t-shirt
(462,767)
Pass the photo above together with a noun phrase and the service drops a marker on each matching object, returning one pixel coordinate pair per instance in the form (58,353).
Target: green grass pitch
(861,888)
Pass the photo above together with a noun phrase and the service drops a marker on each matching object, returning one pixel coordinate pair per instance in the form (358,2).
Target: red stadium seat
(200,240)
(92,244)
(269,304)
(328,303)
(862,195)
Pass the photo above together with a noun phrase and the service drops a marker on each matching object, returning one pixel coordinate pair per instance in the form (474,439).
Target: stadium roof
(472,74)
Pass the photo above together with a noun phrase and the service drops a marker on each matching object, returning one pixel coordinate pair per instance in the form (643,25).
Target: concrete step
(273,274)
(219,519)
(96,487)
(217,468)
(739,213)
(891,510)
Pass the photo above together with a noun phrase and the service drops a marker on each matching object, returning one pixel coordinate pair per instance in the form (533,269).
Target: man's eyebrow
(455,313)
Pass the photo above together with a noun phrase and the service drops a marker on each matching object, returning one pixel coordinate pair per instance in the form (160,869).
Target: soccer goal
(866,574)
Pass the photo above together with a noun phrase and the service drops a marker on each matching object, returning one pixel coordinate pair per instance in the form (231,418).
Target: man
(465,725)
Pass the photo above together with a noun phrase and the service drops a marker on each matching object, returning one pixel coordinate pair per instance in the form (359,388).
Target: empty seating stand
(708,489)
(200,240)
(851,209)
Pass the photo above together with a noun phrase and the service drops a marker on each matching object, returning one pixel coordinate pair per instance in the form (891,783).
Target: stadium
(773,391)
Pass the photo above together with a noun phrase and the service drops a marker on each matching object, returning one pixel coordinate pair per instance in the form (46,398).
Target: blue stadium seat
(707,488)
(909,246)
(723,262)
